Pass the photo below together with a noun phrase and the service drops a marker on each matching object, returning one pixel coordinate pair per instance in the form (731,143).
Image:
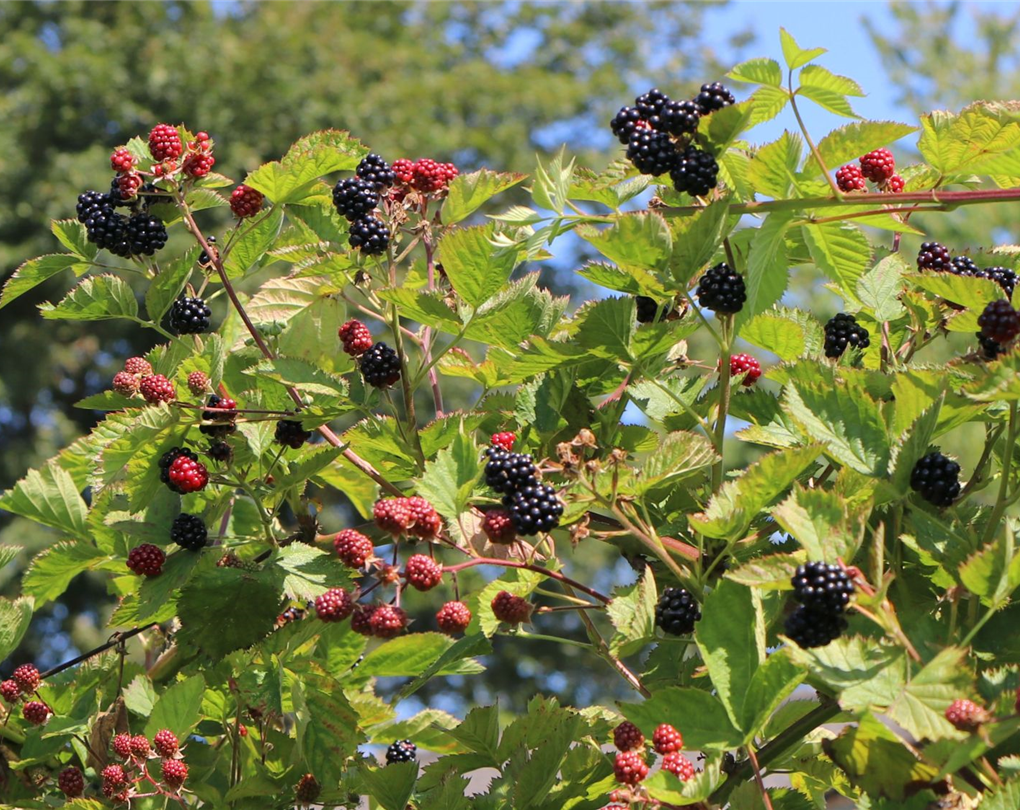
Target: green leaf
(35,271)
(822,523)
(15,617)
(768,103)
(862,673)
(606,326)
(794,55)
(772,683)
(477,269)
(841,251)
(165,288)
(920,708)
(328,730)
(697,715)
(767,269)
(771,573)
(391,786)
(449,480)
(469,192)
(131,456)
(956,143)
(846,421)
(787,333)
(774,166)
(96,298)
(678,455)
(696,239)
(453,659)
(305,572)
(853,140)
(909,449)
(289,371)
(179,708)
(974,294)
(633,280)
(52,571)
(73,235)
(828,90)
(250,249)
(879,289)
(758,71)
(479,732)
(632,613)
(49,496)
(218,593)
(292,178)
(410,656)
(991,574)
(427,308)
(727,639)
(641,240)
(140,696)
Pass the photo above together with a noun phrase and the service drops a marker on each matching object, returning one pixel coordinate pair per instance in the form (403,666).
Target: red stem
(536,568)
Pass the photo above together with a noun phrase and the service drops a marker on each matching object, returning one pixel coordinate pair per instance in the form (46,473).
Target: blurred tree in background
(481,84)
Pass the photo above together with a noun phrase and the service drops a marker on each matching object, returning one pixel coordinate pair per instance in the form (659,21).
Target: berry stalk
(536,568)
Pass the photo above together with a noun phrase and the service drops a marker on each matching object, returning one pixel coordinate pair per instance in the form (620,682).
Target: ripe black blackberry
(91,202)
(809,628)
(373,169)
(401,751)
(677,118)
(507,472)
(145,234)
(204,260)
(822,587)
(999,321)
(841,331)
(354,198)
(651,103)
(990,349)
(937,479)
(169,457)
(369,235)
(696,172)
(221,452)
(380,366)
(190,316)
(189,532)
(290,432)
(647,308)
(935,257)
(625,123)
(963,266)
(534,508)
(651,152)
(1002,276)
(103,226)
(722,289)
(713,97)
(676,612)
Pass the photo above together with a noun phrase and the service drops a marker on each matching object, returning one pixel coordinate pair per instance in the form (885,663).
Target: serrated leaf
(427,308)
(822,523)
(35,271)
(909,449)
(479,731)
(632,280)
(789,334)
(768,101)
(410,656)
(245,608)
(862,673)
(52,570)
(678,455)
(699,716)
(921,706)
(696,238)
(794,55)
(328,730)
(773,167)
(972,293)
(768,573)
(308,377)
(758,71)
(469,192)
(879,289)
(316,154)
(165,288)
(632,613)
(767,267)
(49,496)
(15,617)
(250,249)
(304,572)
(841,251)
(828,89)
(773,682)
(606,326)
(178,708)
(640,240)
(956,143)
(393,785)
(476,268)
(96,298)
(991,573)
(73,235)
(449,480)
(853,140)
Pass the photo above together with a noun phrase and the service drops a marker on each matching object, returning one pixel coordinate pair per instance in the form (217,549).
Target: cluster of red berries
(414,516)
(24,682)
(878,166)
(245,201)
(745,364)
(966,715)
(198,160)
(424,175)
(120,780)
(630,766)
(128,382)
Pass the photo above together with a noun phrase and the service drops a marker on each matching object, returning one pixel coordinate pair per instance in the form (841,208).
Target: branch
(536,568)
(115,640)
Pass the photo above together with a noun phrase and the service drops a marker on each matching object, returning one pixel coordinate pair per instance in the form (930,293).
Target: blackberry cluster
(841,331)
(190,316)
(676,612)
(809,629)
(934,257)
(507,472)
(659,134)
(169,457)
(937,479)
(533,507)
(145,234)
(380,366)
(963,266)
(1002,276)
(990,349)
(291,433)
(722,289)
(370,235)
(401,751)
(999,322)
(139,235)
(824,591)
(354,198)
(189,532)
(647,308)
(373,169)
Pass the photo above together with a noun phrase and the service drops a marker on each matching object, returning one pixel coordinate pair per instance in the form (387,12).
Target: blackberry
(122,745)
(1002,276)
(401,751)
(722,289)
(140,746)
(370,235)
(221,452)
(878,166)
(507,472)
(354,198)
(651,152)
(36,712)
(425,520)
(841,331)
(27,677)
(10,691)
(373,169)
(963,266)
(935,257)
(291,433)
(677,118)
(499,527)
(124,190)
(896,184)
(307,790)
(91,202)
(821,587)
(627,737)
(107,229)
(849,178)
(510,608)
(165,742)
(353,548)
(453,618)
(388,621)
(165,142)
(204,261)
(189,532)
(190,316)
(146,560)
(676,612)
(422,572)
(504,439)
(380,366)
(745,364)
(966,715)
(999,321)
(169,457)
(355,337)
(245,201)
(224,422)
(125,384)
(647,308)
(145,234)
(71,782)
(695,172)
(534,508)
(937,479)
(157,388)
(667,739)
(808,628)
(624,124)
(630,767)
(713,97)
(678,765)
(990,349)
(651,103)
(334,605)
(174,772)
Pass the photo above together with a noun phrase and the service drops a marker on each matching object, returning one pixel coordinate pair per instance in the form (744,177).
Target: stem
(557,639)
(807,137)
(979,469)
(757,777)
(687,409)
(724,404)
(115,640)
(536,568)
(430,265)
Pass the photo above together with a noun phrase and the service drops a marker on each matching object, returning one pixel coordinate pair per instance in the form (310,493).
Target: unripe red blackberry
(121,745)
(354,198)
(174,773)
(630,767)
(353,548)
(403,169)
(187,475)
(165,742)
(245,201)
(355,337)
(220,418)
(713,97)
(676,612)
(392,515)
(334,605)
(127,186)
(850,178)
(27,678)
(373,169)
(122,160)
(361,619)
(156,388)
(651,152)
(425,520)
(499,526)
(10,691)
(628,737)
(140,746)
(695,172)
(808,628)
(198,383)
(741,363)
(966,715)
(936,478)
(189,532)
(504,440)
(401,751)
(678,765)
(999,321)
(369,235)
(510,608)
(165,143)
(146,560)
(430,176)
(453,618)
(934,257)
(291,433)
(822,587)
(878,166)
(125,384)
(190,316)
(422,572)
(721,289)
(667,739)
(895,184)
(114,775)
(842,331)
(198,164)
(138,365)
(388,621)
(71,782)
(307,790)
(380,365)
(36,712)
